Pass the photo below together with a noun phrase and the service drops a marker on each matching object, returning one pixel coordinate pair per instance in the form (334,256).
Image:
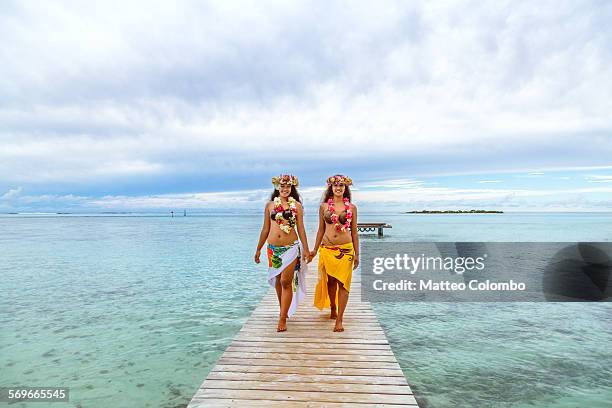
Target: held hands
(307,256)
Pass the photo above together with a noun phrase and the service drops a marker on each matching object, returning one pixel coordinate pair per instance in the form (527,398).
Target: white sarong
(279,257)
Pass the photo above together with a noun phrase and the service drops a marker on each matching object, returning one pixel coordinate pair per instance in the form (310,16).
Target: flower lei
(278,208)
(335,217)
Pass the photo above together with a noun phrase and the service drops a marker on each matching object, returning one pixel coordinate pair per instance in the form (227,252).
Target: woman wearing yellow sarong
(338,247)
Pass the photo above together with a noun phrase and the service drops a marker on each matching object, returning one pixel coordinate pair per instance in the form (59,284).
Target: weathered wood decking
(309,365)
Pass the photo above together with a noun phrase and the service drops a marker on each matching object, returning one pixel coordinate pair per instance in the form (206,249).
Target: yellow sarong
(335,261)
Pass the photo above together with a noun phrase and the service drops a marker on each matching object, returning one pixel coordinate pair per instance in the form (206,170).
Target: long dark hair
(329,193)
(294,193)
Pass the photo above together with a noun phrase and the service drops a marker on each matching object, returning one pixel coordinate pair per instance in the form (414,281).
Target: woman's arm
(320,232)
(263,235)
(302,232)
(355,236)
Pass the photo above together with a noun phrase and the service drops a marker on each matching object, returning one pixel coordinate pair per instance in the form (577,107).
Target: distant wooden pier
(309,365)
(373,226)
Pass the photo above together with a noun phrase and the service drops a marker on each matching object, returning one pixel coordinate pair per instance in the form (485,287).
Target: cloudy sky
(128,105)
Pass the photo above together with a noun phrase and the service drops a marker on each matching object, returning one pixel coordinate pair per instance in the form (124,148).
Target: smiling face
(338,189)
(284,190)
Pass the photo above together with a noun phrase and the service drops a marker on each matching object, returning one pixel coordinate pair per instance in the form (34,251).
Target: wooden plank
(309,357)
(330,371)
(241,403)
(313,340)
(316,314)
(318,332)
(324,331)
(305,396)
(303,333)
(325,337)
(306,378)
(318,387)
(309,363)
(273,307)
(311,322)
(308,350)
(310,346)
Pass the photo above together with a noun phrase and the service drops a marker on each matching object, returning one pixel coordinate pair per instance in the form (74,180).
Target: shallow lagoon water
(133,311)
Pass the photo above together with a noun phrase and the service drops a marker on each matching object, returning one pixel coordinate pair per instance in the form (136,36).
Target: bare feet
(333,314)
(282,324)
(339,327)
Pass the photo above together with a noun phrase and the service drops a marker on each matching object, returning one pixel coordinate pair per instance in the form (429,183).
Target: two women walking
(337,244)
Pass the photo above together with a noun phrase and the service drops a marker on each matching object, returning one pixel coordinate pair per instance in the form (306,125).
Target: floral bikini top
(327,216)
(285,219)
(341,221)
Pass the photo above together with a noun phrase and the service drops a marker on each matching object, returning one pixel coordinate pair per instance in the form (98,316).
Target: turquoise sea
(133,310)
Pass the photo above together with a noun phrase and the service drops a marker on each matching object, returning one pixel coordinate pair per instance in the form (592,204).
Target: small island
(455,212)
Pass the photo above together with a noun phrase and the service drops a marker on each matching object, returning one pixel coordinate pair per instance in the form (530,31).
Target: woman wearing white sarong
(287,256)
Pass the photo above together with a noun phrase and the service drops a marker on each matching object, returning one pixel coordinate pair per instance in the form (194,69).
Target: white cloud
(11,193)
(392,184)
(599,179)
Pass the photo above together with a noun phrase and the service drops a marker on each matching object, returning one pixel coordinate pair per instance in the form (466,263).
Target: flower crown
(339,178)
(285,179)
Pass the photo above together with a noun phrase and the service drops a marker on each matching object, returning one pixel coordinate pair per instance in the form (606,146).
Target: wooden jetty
(373,226)
(308,365)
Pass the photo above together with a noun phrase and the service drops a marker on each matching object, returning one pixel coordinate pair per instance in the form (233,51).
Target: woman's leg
(278,288)
(342,301)
(332,284)
(286,282)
